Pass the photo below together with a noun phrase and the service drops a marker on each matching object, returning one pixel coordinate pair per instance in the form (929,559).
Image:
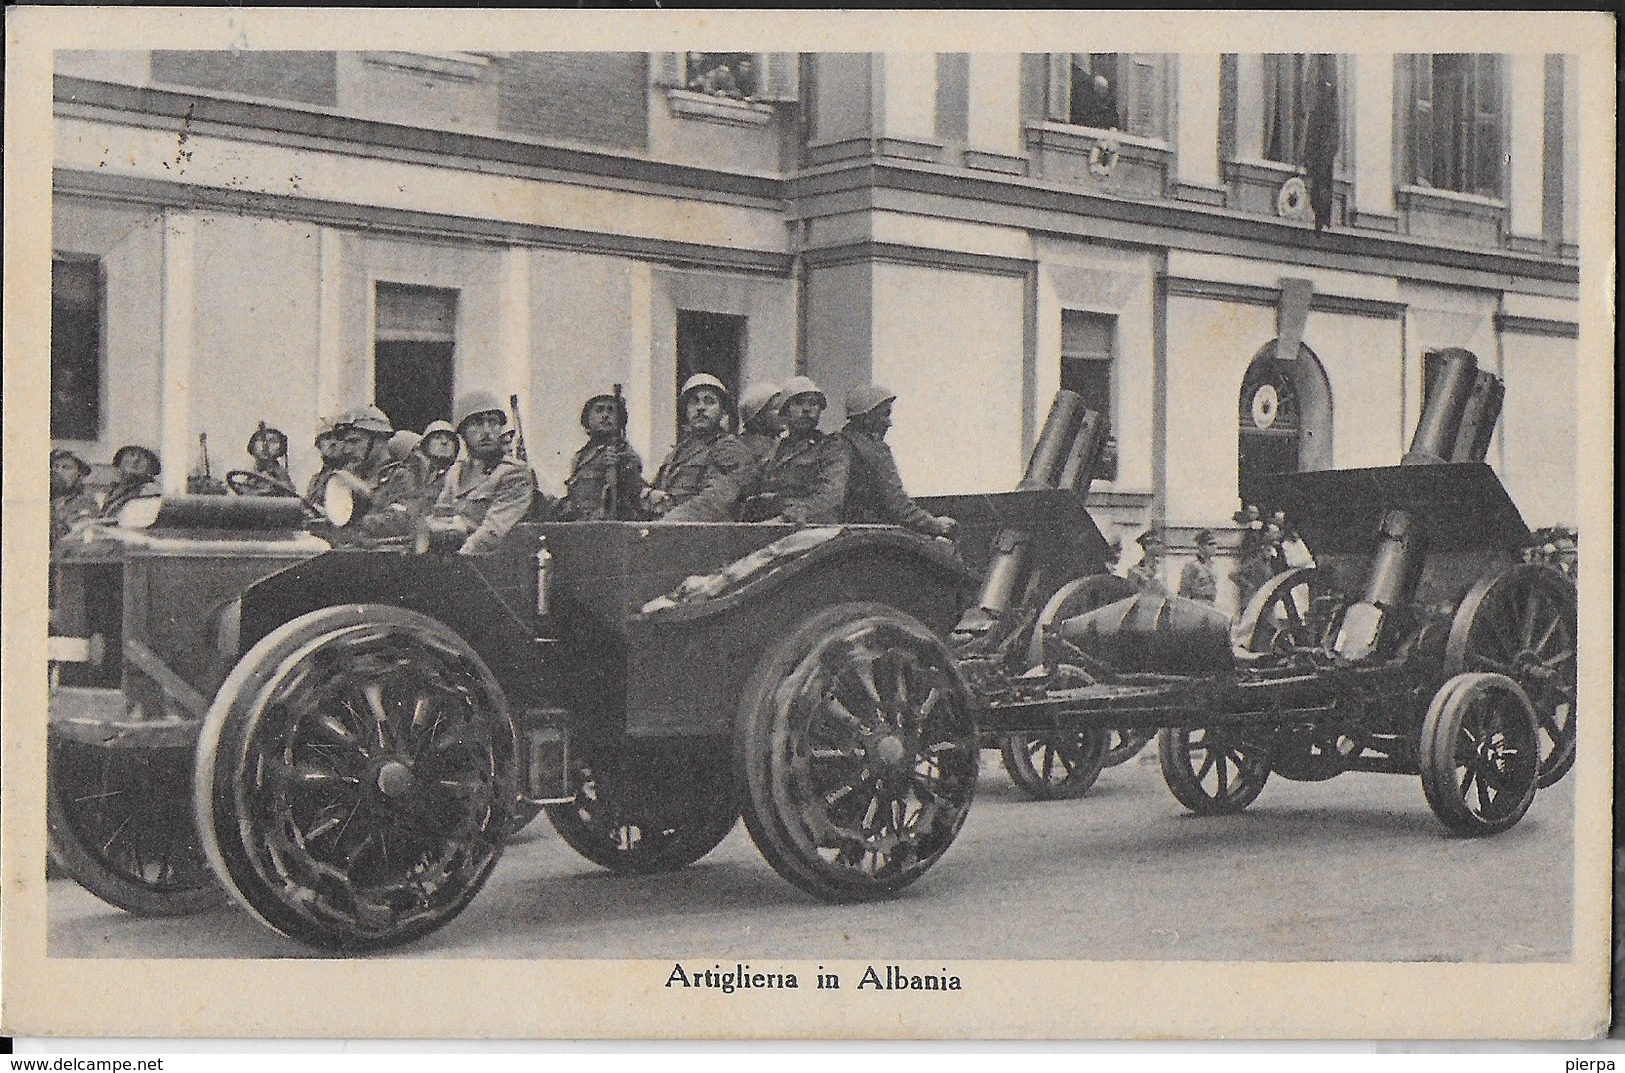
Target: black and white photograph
(831,540)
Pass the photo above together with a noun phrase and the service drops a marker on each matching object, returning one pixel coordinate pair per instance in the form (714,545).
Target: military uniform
(760,445)
(404,492)
(1199,582)
(488,504)
(123,492)
(805,479)
(704,476)
(874,488)
(584,489)
(74,505)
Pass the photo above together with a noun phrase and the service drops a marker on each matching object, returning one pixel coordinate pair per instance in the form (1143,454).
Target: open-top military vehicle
(344,739)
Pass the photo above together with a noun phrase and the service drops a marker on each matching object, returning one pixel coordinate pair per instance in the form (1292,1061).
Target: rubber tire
(93,872)
(1441,729)
(1173,755)
(753,733)
(232,720)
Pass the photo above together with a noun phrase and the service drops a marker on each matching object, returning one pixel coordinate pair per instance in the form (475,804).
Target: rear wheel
(634,824)
(120,823)
(1286,614)
(355,777)
(858,752)
(1480,754)
(1214,770)
(1057,766)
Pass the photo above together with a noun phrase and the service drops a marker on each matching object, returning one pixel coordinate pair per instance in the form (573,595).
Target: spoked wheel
(1480,754)
(1078,596)
(1057,766)
(1125,743)
(858,752)
(120,823)
(1522,623)
(1284,615)
(1060,764)
(1214,770)
(659,819)
(355,777)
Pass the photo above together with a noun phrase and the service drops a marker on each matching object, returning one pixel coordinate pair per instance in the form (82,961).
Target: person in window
(703,476)
(874,488)
(1094,103)
(71,501)
(590,494)
(1199,580)
(759,420)
(486,494)
(804,481)
(138,469)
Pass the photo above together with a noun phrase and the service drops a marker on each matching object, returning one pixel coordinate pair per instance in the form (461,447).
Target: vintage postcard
(808,525)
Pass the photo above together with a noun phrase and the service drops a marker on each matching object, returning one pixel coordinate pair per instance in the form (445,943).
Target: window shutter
(668,68)
(1420,136)
(1144,113)
(1486,126)
(781,76)
(1059,100)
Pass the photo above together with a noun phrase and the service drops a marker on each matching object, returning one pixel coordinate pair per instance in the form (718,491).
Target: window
(710,343)
(722,74)
(1454,136)
(1087,343)
(1294,84)
(1124,91)
(412,353)
(76,349)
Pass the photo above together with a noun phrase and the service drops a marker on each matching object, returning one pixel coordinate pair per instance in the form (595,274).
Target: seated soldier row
(782,469)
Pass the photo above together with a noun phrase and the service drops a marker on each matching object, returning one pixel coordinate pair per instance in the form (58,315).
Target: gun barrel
(1449,391)
(1054,441)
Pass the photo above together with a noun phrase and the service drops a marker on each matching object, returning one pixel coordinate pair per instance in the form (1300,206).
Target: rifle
(612,484)
(203,445)
(519,430)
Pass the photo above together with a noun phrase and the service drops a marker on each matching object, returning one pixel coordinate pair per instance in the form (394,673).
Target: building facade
(1243,259)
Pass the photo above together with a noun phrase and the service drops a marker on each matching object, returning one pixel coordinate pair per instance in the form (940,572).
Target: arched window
(1284,419)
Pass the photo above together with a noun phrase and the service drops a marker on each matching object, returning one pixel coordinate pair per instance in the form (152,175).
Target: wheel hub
(395,780)
(889,753)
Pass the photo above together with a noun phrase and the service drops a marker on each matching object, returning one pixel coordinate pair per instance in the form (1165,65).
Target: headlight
(338,501)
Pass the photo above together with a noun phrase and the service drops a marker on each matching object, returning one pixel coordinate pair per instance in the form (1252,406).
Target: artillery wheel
(1125,743)
(355,777)
(1059,765)
(1522,623)
(659,834)
(1078,596)
(1214,770)
(1282,614)
(120,823)
(857,751)
(1480,754)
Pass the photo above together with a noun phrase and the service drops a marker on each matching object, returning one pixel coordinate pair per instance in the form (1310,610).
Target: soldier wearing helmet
(138,469)
(874,488)
(588,490)
(486,494)
(364,433)
(71,501)
(331,448)
(803,482)
(702,478)
(759,420)
(268,447)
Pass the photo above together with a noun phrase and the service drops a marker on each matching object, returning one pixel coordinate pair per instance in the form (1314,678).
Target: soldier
(804,481)
(1144,572)
(874,488)
(759,420)
(71,501)
(331,448)
(268,447)
(1199,581)
(403,491)
(702,478)
(589,492)
(365,433)
(138,471)
(486,494)
(441,447)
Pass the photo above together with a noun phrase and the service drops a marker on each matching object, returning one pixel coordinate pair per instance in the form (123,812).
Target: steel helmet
(367,419)
(153,465)
(79,463)
(328,424)
(699,380)
(619,401)
(401,444)
(476,402)
(261,439)
(865,397)
(438,426)
(801,385)
(757,398)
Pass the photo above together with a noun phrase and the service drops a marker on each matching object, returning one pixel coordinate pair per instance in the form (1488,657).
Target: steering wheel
(246,482)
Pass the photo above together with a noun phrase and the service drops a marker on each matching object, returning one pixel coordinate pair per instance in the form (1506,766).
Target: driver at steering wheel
(268,447)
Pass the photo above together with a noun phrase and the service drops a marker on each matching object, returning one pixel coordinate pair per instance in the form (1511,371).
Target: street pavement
(1354,869)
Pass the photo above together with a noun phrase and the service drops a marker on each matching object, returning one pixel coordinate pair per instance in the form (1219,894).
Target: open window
(710,343)
(76,348)
(1124,91)
(1455,120)
(1088,344)
(1293,85)
(1284,420)
(414,343)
